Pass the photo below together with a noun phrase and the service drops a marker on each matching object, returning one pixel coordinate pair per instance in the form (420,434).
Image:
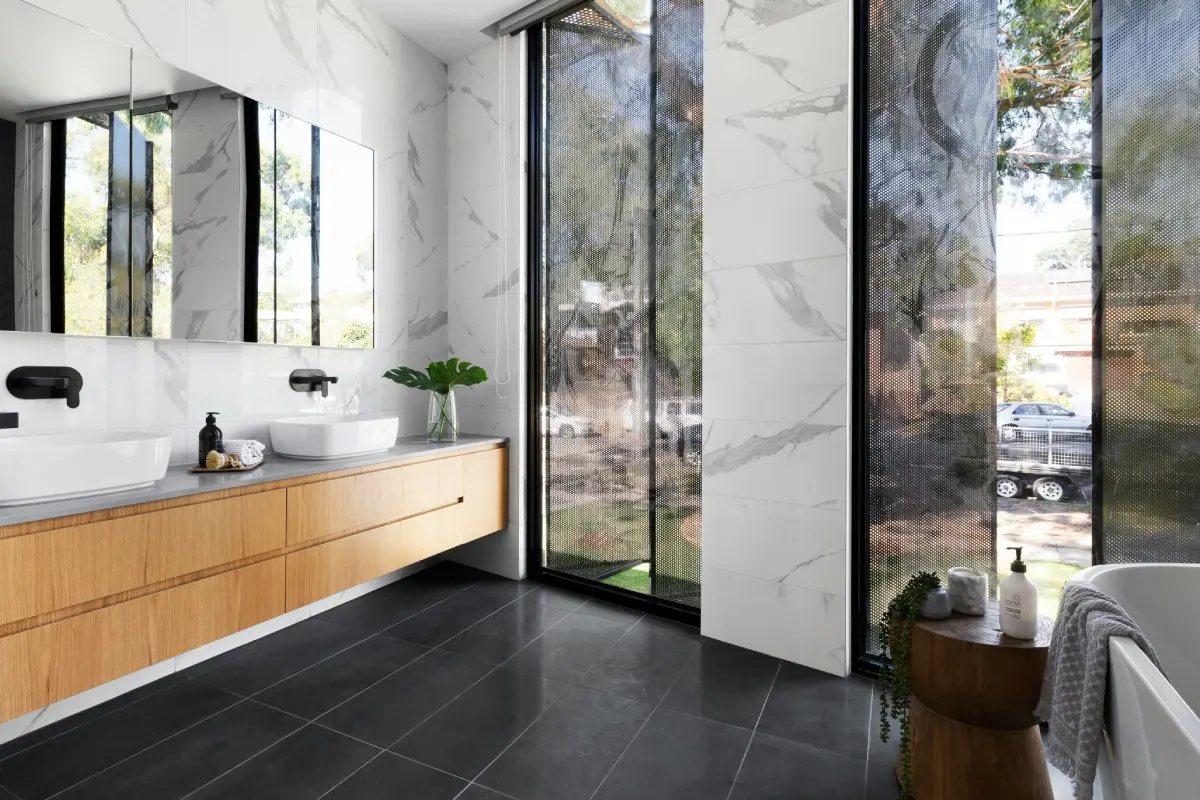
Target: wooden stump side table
(972,730)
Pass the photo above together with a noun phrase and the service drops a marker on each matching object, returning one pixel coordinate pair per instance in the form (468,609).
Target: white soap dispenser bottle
(1018,602)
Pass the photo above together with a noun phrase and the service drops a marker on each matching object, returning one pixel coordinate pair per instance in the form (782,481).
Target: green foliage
(1014,358)
(1044,108)
(895,638)
(355,334)
(439,377)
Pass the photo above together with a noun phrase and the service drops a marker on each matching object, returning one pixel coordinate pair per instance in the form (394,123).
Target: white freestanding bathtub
(1152,723)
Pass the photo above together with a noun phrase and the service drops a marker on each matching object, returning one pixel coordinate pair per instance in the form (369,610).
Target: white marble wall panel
(775,576)
(485,261)
(151,26)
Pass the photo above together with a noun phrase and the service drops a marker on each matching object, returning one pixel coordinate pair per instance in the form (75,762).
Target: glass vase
(443,417)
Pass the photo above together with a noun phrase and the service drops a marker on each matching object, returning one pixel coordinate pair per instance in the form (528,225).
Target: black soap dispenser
(211,438)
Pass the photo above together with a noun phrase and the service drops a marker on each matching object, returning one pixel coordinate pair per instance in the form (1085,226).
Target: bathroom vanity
(97,588)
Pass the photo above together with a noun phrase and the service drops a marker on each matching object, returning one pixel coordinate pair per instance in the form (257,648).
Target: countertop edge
(179,483)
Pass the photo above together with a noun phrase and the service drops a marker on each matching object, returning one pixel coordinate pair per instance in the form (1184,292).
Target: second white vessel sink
(60,466)
(333,436)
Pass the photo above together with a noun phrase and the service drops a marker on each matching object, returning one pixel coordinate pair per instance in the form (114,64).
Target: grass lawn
(585,538)
(1048,577)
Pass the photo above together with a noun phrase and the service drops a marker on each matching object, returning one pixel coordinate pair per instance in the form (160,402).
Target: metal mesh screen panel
(679,292)
(621,297)
(930,264)
(1150,281)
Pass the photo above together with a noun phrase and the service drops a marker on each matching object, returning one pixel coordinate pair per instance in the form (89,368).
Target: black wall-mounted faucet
(310,380)
(46,383)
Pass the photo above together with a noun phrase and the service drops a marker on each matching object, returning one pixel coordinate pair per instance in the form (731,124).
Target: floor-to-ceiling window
(617,87)
(1028,289)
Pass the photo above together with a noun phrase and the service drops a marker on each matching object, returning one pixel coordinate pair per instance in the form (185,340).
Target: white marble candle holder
(968,591)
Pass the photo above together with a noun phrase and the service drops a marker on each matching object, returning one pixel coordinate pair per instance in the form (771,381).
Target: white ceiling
(450,29)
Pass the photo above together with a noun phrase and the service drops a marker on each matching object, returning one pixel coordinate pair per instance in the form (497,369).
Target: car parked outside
(1011,417)
(568,426)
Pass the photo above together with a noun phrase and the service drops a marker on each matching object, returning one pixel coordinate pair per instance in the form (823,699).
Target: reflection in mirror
(156,204)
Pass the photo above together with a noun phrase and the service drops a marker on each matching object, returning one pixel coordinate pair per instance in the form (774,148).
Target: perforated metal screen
(621,296)
(1150,438)
(930,263)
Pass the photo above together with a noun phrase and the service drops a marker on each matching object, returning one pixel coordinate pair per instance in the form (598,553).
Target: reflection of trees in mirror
(85,228)
(156,128)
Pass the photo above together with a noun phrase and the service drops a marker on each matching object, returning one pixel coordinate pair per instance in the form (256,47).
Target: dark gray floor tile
(678,756)
(500,636)
(390,776)
(724,683)
(257,665)
(879,751)
(776,769)
(191,759)
(78,754)
(305,765)
(645,663)
(446,620)
(397,704)
(87,716)
(821,710)
(396,602)
(570,648)
(882,783)
(569,751)
(598,608)
(466,735)
(477,792)
(558,598)
(311,693)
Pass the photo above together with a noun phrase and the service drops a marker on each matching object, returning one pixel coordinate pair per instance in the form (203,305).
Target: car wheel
(566,432)
(1053,489)
(1008,487)
(1009,433)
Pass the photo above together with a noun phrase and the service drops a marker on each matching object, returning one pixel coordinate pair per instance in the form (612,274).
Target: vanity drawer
(46,664)
(57,569)
(318,572)
(345,505)
(485,499)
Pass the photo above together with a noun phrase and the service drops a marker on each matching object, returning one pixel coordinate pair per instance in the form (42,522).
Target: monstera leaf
(440,376)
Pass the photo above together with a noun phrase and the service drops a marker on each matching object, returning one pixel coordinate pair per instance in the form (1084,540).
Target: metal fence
(1026,448)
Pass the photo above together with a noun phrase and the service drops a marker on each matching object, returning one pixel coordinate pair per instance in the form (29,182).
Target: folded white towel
(249,451)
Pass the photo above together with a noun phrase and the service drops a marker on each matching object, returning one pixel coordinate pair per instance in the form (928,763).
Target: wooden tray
(226,469)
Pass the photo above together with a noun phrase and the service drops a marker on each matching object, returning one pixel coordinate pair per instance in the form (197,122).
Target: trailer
(1053,464)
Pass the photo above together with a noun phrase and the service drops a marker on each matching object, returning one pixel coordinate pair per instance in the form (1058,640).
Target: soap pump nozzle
(1018,565)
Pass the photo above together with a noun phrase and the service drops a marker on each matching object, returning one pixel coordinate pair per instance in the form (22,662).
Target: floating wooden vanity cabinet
(87,599)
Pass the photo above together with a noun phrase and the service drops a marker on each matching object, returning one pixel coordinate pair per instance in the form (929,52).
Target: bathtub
(1152,725)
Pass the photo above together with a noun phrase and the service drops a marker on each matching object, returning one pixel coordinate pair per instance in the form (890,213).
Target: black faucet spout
(46,383)
(310,380)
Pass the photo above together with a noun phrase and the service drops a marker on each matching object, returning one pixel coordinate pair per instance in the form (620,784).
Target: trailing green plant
(439,376)
(895,638)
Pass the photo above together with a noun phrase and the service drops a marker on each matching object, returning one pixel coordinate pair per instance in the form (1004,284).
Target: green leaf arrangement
(439,376)
(895,635)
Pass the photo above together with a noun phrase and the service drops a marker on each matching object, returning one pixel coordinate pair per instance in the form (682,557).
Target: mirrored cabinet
(140,200)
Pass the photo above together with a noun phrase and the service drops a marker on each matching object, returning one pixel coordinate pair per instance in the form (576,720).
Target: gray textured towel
(1076,679)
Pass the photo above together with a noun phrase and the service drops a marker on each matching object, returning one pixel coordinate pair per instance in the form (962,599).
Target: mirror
(137,199)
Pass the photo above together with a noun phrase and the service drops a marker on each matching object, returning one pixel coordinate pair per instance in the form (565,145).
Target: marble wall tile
(804,461)
(791,622)
(266,49)
(730,20)
(801,137)
(154,26)
(808,382)
(796,220)
(797,57)
(358,60)
(787,301)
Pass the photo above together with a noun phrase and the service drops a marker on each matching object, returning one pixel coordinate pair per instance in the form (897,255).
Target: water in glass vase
(443,417)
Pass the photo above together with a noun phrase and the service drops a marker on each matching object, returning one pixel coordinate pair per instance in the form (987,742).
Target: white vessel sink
(333,436)
(60,466)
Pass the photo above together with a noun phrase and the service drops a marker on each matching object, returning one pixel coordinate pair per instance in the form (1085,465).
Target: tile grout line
(365,764)
(244,761)
(754,731)
(90,721)
(152,746)
(360,641)
(645,722)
